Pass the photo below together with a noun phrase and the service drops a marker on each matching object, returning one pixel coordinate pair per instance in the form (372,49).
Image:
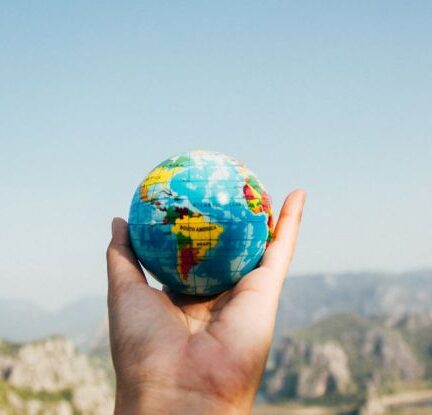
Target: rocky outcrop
(303,370)
(327,371)
(343,354)
(51,376)
(392,357)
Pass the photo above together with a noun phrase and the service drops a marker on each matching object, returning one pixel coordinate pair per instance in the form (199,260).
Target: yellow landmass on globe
(159,176)
(195,236)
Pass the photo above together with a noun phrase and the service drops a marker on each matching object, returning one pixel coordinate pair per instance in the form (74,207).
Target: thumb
(122,264)
(279,253)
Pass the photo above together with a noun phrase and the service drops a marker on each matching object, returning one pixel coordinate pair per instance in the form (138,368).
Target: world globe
(199,222)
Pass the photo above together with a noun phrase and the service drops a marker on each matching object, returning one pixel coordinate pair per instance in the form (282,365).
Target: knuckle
(298,215)
(110,250)
(111,298)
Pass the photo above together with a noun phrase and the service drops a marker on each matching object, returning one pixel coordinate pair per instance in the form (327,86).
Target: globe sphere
(199,222)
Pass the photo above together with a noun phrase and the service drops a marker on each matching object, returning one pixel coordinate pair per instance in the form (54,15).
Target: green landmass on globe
(200,221)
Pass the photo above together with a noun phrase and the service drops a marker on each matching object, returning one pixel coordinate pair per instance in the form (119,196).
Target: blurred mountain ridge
(342,339)
(305,299)
(310,298)
(22,320)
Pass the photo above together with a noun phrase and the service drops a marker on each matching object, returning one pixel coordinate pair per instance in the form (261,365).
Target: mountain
(304,300)
(310,298)
(339,338)
(343,355)
(345,362)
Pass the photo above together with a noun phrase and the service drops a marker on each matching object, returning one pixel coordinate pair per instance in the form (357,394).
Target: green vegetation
(26,394)
(420,340)
(345,403)
(43,395)
(347,327)
(3,390)
(9,348)
(350,400)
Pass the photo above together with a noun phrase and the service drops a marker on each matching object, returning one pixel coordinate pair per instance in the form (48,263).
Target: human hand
(179,354)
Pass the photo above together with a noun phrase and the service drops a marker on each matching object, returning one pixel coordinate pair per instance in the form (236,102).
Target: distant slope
(22,320)
(25,321)
(306,299)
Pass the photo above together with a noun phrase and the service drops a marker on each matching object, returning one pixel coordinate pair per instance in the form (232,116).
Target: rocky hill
(338,359)
(344,354)
(337,337)
(50,377)
(310,298)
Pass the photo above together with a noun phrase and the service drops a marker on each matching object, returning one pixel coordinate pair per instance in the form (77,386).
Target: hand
(179,354)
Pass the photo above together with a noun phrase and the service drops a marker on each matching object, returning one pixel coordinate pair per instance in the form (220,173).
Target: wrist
(149,400)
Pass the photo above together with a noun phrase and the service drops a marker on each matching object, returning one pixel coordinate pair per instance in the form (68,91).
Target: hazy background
(334,97)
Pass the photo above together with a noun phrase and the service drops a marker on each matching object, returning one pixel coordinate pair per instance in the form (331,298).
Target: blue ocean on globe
(199,222)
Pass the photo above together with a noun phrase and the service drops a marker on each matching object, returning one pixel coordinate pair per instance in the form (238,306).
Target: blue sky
(334,97)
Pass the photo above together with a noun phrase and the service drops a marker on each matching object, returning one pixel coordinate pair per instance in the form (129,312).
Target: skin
(179,354)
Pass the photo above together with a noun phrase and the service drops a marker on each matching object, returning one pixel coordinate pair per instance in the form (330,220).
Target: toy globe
(199,222)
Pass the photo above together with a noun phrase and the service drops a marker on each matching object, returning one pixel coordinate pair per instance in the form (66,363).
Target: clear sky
(331,96)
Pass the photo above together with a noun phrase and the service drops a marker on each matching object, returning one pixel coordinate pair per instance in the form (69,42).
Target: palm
(226,327)
(208,344)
